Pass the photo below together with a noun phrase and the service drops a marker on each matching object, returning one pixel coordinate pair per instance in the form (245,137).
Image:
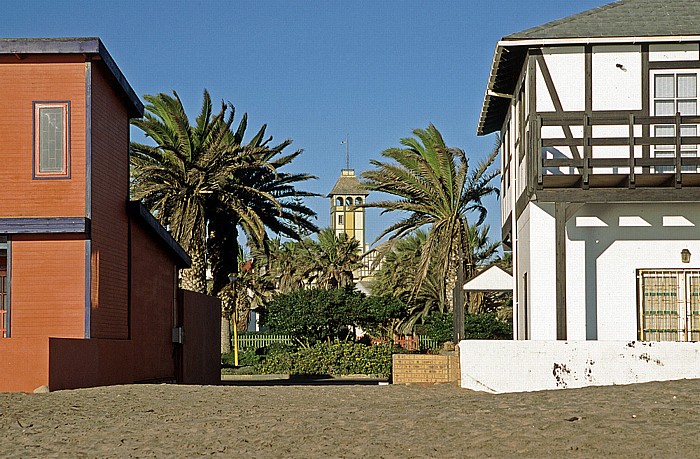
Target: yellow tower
(347,193)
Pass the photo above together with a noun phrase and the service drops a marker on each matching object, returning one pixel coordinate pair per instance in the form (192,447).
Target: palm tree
(435,187)
(334,258)
(177,178)
(204,183)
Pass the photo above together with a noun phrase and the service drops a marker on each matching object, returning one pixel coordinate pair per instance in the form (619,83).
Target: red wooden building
(89,293)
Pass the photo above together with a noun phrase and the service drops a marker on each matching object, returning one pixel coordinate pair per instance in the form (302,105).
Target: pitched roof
(622,21)
(494,278)
(90,47)
(624,18)
(348,183)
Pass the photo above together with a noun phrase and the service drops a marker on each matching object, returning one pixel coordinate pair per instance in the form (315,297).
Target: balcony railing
(648,160)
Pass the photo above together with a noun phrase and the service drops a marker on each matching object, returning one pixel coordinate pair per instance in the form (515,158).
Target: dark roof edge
(90,45)
(508,44)
(138,210)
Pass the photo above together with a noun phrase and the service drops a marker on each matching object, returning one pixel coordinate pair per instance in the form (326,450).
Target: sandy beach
(352,421)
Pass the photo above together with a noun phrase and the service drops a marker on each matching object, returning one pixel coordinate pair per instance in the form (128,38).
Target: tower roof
(348,183)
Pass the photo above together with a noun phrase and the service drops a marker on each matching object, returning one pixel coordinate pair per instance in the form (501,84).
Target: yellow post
(235,334)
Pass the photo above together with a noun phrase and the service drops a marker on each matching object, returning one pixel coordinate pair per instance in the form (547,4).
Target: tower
(345,218)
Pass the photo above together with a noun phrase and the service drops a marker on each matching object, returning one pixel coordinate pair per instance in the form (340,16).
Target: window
(358,201)
(669,305)
(348,201)
(340,219)
(675,93)
(338,201)
(51,133)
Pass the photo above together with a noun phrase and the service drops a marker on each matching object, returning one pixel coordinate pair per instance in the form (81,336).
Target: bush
(439,327)
(487,325)
(339,358)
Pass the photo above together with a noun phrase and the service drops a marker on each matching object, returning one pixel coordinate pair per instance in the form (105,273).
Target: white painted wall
(524,366)
(615,87)
(606,245)
(674,52)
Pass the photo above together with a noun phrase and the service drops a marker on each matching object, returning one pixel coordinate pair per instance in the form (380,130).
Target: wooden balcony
(569,169)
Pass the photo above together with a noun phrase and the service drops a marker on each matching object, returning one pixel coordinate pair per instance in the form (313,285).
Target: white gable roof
(494,278)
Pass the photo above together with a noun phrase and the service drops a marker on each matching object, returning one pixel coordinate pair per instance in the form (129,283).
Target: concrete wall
(523,366)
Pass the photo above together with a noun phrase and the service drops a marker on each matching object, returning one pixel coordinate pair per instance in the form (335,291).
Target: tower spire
(347,151)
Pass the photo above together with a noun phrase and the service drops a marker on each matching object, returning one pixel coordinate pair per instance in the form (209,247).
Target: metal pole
(235,325)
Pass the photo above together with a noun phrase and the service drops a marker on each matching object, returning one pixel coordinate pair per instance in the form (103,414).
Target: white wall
(617,77)
(566,65)
(606,245)
(524,366)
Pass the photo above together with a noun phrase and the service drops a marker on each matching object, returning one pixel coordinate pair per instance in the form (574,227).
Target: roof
(494,278)
(138,210)
(92,46)
(624,21)
(348,183)
(624,18)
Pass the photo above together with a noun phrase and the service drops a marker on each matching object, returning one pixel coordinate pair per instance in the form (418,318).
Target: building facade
(598,116)
(89,280)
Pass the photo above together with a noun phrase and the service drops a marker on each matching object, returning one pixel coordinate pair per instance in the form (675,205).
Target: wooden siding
(110,187)
(40,78)
(153,284)
(48,284)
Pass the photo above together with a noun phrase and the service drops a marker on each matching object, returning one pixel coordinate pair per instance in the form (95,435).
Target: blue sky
(313,71)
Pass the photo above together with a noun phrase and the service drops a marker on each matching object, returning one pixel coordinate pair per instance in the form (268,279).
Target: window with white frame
(675,92)
(51,139)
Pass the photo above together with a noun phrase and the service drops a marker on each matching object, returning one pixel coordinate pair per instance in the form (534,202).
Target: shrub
(486,325)
(339,358)
(439,327)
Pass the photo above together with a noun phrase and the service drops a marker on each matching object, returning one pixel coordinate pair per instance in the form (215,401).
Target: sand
(352,421)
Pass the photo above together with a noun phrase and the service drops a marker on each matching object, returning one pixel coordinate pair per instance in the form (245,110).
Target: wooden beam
(560,268)
(606,195)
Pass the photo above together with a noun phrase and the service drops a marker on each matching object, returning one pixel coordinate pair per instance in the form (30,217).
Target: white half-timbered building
(598,115)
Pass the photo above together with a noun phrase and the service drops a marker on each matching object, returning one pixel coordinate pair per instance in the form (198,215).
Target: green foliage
(339,358)
(312,315)
(439,326)
(486,326)
(381,315)
(246,358)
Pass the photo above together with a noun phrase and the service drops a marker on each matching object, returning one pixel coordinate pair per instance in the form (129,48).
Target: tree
(333,259)
(204,184)
(435,187)
(177,178)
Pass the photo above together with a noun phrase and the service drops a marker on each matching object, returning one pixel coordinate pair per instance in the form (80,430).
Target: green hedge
(340,358)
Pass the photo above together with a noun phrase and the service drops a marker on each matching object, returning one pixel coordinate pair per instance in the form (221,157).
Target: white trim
(598,40)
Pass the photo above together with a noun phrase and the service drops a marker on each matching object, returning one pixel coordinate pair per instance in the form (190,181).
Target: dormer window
(51,134)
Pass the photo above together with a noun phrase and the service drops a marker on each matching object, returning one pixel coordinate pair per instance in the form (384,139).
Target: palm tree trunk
(225,333)
(195,278)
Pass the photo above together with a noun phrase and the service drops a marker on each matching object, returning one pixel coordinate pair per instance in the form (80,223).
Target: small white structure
(598,114)
(493,278)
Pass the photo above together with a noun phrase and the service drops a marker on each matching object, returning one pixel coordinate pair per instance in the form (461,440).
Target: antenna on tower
(347,150)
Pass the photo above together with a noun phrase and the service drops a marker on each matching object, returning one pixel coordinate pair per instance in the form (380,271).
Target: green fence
(257,341)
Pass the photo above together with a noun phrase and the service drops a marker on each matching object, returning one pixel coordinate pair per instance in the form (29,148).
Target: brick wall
(109,192)
(425,369)
(47,286)
(22,81)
